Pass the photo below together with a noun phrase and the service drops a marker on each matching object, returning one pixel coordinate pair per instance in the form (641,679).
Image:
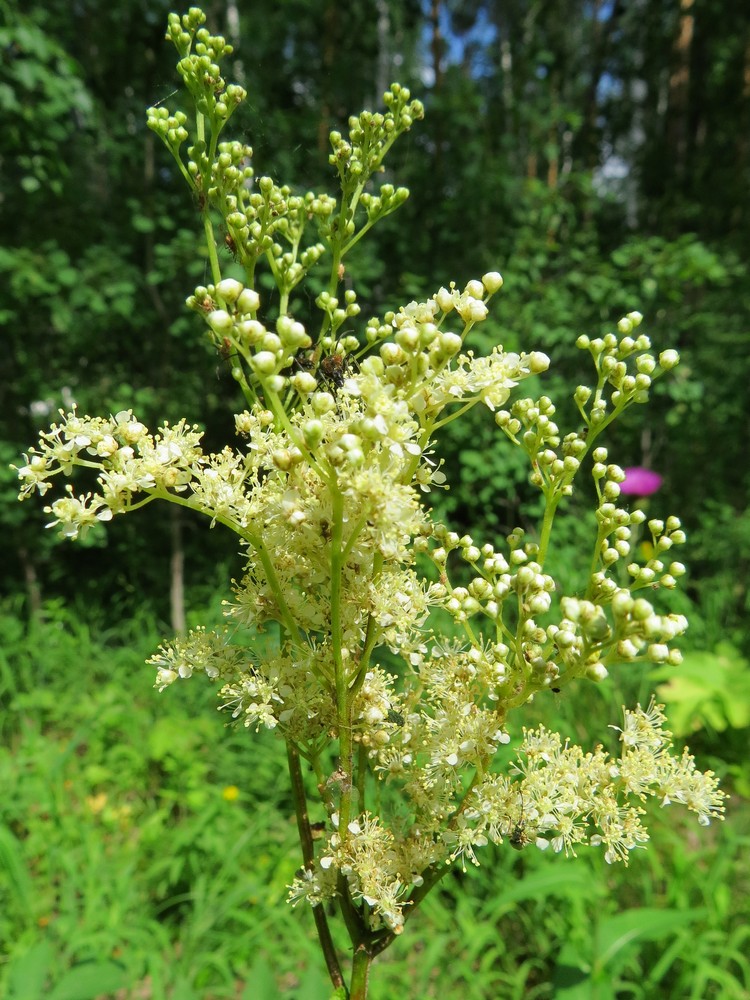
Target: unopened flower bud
(472,310)
(304,383)
(597,672)
(492,281)
(312,432)
(248,301)
(407,338)
(658,652)
(323,402)
(220,321)
(263,363)
(445,300)
(449,344)
(229,290)
(392,354)
(642,609)
(627,649)
(270,342)
(538,362)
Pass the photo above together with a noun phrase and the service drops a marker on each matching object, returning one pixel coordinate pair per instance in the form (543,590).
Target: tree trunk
(679,89)
(31,580)
(177,580)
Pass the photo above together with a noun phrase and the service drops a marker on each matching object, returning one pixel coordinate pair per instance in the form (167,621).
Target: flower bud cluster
(169,127)
(587,639)
(386,201)
(182,30)
(231,175)
(230,311)
(423,363)
(372,134)
(624,363)
(262,221)
(254,217)
(199,67)
(657,570)
(337,315)
(615,538)
(591,634)
(512,592)
(529,424)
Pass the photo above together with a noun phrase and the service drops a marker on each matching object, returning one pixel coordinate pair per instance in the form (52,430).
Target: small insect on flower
(333,368)
(518,838)
(230,244)
(226,349)
(304,361)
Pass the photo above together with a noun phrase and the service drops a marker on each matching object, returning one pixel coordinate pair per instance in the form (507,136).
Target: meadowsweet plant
(391,728)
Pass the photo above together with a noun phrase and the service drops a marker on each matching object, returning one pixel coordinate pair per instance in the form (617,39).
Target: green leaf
(28,973)
(85,982)
(566,880)
(142,224)
(17,875)
(618,933)
(708,689)
(260,981)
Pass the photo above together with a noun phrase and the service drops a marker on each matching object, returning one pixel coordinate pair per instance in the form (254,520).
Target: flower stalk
(400,712)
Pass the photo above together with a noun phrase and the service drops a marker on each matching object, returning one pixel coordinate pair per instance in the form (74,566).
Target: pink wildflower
(640,482)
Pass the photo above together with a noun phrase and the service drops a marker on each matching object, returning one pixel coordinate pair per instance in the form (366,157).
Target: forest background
(598,155)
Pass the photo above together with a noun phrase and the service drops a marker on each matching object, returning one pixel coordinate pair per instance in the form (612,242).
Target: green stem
(213,257)
(600,536)
(342,688)
(308,855)
(360,972)
(550,509)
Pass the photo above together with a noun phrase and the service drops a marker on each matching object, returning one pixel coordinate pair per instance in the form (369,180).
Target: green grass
(127,869)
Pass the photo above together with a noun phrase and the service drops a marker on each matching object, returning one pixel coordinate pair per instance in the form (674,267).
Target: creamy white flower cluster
(329,641)
(565,797)
(130,461)
(323,490)
(423,362)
